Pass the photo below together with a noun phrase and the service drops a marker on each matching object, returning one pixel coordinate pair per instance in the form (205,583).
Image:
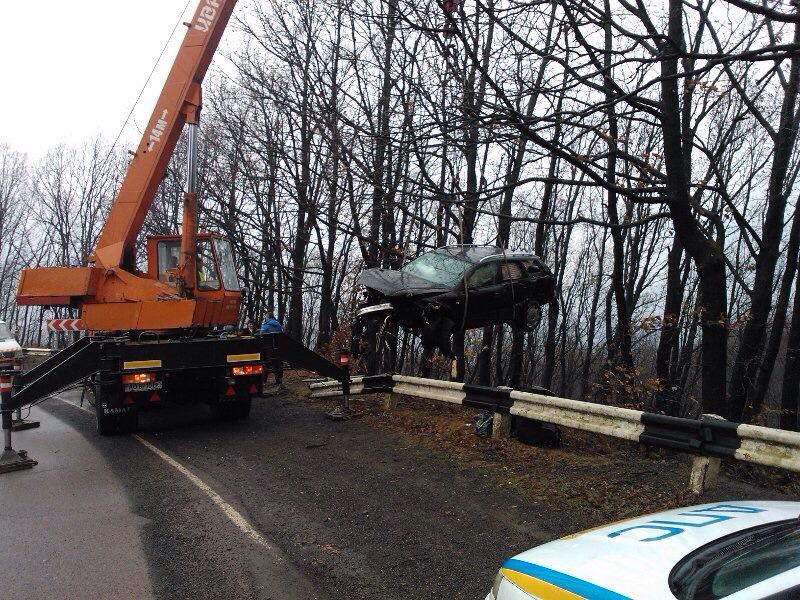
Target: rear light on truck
(247,370)
(131,378)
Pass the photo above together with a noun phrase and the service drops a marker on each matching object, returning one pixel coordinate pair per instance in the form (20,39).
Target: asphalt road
(285,505)
(338,510)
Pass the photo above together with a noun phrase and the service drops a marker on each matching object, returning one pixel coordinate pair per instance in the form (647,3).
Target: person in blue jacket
(272,325)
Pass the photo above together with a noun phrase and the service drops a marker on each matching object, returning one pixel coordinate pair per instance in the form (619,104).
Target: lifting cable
(146,83)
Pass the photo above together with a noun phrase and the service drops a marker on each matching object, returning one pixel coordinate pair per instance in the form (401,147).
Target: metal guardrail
(38,351)
(709,437)
(33,357)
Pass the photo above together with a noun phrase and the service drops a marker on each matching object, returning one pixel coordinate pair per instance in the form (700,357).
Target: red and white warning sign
(65,325)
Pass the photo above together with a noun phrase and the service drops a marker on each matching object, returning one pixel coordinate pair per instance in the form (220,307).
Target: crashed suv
(456,288)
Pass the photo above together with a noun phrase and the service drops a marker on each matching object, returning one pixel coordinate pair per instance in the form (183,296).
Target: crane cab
(218,293)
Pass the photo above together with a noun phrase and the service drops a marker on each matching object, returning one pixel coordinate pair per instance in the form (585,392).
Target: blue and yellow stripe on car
(547,584)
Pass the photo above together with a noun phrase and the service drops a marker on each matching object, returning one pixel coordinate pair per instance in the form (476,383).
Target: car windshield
(437,268)
(5,332)
(738,562)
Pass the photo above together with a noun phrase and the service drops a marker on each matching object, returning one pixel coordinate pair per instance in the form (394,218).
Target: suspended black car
(455,288)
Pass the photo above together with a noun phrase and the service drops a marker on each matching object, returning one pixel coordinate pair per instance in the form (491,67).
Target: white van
(10,350)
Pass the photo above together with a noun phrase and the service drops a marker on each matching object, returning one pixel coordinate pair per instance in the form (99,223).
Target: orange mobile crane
(154,335)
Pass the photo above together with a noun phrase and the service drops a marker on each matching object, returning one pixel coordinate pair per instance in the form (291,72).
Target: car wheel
(530,316)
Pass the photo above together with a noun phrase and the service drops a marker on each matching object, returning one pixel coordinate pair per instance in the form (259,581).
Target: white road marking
(233,515)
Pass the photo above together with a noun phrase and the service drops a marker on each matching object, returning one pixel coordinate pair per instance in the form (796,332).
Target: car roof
(475,253)
(638,554)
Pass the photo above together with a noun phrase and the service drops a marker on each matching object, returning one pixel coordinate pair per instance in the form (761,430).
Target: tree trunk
(706,254)
(791,371)
(778,328)
(622,338)
(669,328)
(745,369)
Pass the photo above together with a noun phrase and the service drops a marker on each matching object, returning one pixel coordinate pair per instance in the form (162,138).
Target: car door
(483,295)
(514,291)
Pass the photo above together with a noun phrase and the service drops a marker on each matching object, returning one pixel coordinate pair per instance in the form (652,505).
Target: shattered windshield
(437,268)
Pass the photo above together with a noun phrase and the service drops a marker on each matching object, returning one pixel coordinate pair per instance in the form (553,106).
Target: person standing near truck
(272,325)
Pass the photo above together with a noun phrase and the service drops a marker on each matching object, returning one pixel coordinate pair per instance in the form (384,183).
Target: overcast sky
(72,70)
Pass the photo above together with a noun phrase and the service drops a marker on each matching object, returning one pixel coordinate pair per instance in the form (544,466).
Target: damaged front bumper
(374,309)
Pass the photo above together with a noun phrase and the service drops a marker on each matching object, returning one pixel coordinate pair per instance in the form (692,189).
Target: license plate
(144,387)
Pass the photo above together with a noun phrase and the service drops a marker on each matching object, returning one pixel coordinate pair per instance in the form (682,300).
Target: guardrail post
(10,460)
(705,473)
(501,426)
(501,422)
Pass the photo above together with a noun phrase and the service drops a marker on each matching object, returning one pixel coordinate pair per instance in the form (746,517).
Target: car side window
(483,275)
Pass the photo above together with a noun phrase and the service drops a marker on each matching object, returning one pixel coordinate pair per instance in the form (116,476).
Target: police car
(732,551)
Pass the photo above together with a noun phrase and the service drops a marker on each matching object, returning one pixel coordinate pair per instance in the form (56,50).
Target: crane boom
(179,103)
